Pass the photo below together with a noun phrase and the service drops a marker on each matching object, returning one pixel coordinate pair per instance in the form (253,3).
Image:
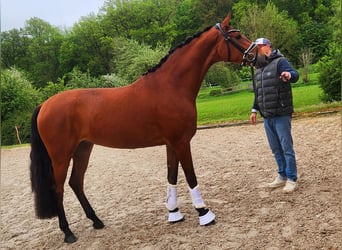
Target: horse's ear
(226,21)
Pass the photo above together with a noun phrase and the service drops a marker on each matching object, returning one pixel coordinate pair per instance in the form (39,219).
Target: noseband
(248,56)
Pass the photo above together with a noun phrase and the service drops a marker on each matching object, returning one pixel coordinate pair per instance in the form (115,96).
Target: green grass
(237,106)
(232,107)
(15,146)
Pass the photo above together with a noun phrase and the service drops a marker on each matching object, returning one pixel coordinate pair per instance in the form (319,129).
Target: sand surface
(127,189)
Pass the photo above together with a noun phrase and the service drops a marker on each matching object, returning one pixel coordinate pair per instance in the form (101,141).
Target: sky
(60,13)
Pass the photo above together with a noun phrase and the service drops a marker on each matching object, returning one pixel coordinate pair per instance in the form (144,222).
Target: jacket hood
(275,54)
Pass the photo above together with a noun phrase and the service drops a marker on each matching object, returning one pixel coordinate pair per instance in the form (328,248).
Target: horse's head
(236,45)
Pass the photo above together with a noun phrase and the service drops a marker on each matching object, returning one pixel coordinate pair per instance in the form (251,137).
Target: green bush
(52,88)
(113,80)
(18,99)
(222,75)
(78,79)
(330,74)
(215,92)
(135,59)
(21,120)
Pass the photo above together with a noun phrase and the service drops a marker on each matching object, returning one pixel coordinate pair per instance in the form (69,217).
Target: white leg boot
(172,204)
(206,217)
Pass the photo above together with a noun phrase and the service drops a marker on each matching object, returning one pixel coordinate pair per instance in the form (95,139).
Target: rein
(251,58)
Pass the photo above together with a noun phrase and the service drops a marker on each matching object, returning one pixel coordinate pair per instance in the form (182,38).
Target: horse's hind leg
(80,163)
(60,173)
(171,201)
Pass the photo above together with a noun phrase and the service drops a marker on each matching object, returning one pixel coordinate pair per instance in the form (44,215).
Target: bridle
(248,56)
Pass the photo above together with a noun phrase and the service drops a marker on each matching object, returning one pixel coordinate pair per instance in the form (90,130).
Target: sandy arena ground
(127,189)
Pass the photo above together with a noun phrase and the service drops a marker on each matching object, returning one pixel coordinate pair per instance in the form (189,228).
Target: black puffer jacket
(273,97)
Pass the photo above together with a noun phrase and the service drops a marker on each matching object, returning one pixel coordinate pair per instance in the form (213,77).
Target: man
(273,99)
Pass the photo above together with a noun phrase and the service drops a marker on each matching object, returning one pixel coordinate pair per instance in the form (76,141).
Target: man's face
(265,49)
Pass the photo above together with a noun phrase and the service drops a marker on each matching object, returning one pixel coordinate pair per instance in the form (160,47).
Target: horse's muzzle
(250,57)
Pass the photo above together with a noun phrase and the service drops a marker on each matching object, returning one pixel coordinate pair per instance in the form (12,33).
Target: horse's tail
(42,180)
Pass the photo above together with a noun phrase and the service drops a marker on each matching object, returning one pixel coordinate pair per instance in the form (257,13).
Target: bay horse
(159,108)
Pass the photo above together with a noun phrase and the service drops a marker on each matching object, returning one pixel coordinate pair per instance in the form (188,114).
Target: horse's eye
(238,37)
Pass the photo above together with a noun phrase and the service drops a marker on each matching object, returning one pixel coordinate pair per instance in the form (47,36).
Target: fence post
(17,132)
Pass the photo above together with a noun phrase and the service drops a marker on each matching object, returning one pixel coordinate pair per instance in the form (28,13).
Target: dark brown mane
(164,59)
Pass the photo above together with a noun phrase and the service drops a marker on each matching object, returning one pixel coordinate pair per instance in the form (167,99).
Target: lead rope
(253,82)
(252,75)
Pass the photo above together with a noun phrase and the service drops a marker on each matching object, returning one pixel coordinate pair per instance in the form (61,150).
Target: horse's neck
(187,66)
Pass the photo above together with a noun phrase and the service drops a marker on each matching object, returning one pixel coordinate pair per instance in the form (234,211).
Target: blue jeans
(278,131)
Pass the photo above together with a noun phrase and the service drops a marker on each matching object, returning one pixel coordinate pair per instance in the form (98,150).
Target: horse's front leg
(171,197)
(183,152)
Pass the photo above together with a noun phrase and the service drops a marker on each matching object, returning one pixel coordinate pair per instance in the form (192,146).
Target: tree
(306,60)
(18,99)
(299,10)
(43,51)
(88,47)
(269,22)
(147,21)
(210,11)
(134,59)
(14,49)
(186,22)
(193,16)
(316,37)
(312,17)
(330,64)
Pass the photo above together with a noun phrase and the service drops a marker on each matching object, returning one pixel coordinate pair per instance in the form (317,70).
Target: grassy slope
(237,106)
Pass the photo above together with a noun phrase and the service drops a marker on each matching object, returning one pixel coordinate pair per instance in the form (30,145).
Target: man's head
(262,41)
(264,46)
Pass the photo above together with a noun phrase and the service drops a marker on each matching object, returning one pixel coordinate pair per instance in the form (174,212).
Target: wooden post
(17,131)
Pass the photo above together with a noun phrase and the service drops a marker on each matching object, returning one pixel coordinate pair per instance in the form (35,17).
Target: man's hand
(253,118)
(285,76)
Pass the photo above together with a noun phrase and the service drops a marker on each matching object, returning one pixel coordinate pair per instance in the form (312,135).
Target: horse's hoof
(98,225)
(210,223)
(176,221)
(70,238)
(207,219)
(175,216)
